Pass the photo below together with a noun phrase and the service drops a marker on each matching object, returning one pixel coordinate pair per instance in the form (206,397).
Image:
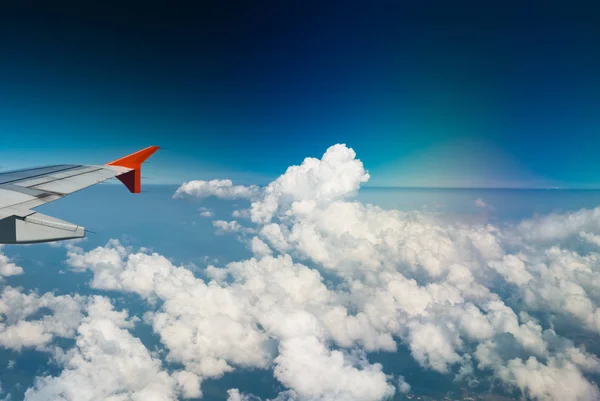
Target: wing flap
(29,228)
(9,198)
(46,198)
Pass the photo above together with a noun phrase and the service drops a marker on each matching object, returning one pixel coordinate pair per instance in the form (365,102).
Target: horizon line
(435,187)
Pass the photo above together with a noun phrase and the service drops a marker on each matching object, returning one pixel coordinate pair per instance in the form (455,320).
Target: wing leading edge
(23,190)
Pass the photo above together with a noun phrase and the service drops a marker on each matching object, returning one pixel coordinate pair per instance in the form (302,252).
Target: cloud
(555,227)
(204,212)
(188,384)
(209,341)
(8,268)
(547,381)
(480,203)
(336,176)
(235,395)
(242,214)
(259,248)
(513,269)
(593,239)
(220,330)
(317,373)
(437,287)
(107,362)
(227,226)
(68,243)
(223,189)
(230,227)
(17,328)
(403,386)
(386,249)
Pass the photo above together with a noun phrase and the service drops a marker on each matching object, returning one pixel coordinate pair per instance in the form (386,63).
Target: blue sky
(435,94)
(314,287)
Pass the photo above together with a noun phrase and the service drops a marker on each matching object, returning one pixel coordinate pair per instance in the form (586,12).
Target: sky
(299,246)
(430,93)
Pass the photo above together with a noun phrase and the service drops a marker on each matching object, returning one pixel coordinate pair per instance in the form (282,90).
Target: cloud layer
(472,301)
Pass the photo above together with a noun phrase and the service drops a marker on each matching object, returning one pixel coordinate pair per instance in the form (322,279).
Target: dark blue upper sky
(427,92)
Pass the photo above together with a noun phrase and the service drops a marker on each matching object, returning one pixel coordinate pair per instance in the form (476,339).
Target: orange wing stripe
(132,179)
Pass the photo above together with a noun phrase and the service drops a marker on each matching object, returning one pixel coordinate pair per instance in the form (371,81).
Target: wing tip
(132,179)
(134,160)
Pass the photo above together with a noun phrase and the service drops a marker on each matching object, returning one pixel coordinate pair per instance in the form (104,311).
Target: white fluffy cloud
(233,226)
(336,176)
(270,299)
(403,277)
(317,373)
(206,340)
(16,308)
(223,189)
(8,268)
(108,363)
(591,238)
(559,227)
(549,381)
(204,212)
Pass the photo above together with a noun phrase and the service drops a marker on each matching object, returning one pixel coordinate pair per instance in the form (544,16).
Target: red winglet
(133,179)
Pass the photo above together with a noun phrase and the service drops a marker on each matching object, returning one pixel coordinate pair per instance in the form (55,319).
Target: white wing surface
(23,190)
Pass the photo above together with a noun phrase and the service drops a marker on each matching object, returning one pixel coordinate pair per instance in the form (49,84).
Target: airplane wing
(23,190)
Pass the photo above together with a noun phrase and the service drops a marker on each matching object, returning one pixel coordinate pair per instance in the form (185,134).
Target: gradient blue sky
(431,94)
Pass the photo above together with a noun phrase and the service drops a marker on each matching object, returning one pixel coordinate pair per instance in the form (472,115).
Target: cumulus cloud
(230,227)
(223,189)
(109,363)
(8,268)
(206,340)
(259,247)
(18,330)
(304,362)
(548,381)
(188,384)
(336,176)
(269,299)
(513,269)
(555,227)
(235,395)
(438,288)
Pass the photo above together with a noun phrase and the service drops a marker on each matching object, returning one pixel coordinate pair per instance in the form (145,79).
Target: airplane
(23,190)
